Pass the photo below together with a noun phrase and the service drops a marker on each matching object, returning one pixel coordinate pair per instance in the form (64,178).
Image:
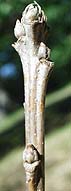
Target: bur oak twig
(31,33)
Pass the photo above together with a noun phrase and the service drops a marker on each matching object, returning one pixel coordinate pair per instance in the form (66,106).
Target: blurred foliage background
(58,99)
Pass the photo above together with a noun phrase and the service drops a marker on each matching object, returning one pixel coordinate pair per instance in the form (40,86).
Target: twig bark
(31,33)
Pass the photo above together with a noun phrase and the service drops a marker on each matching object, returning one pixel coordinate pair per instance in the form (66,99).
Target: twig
(31,33)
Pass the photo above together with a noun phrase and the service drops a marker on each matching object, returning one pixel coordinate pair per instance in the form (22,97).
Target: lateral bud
(31,159)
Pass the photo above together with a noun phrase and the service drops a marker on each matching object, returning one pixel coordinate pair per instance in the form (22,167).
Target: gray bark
(31,32)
